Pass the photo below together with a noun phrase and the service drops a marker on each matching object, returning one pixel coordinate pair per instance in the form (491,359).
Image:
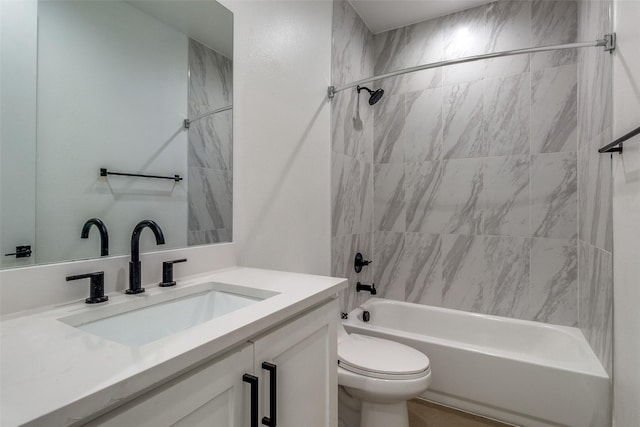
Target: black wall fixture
(102,229)
(367,288)
(21,252)
(616,146)
(105,172)
(360,262)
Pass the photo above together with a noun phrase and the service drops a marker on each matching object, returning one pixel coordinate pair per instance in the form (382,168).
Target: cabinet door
(209,395)
(304,352)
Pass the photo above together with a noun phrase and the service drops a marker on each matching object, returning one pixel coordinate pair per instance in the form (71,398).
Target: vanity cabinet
(303,352)
(209,395)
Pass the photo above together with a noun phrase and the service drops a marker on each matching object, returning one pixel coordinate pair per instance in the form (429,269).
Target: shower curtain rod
(187,122)
(608,42)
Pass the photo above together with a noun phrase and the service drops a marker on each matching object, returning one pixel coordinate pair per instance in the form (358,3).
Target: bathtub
(521,372)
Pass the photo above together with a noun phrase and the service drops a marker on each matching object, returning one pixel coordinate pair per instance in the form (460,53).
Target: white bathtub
(522,372)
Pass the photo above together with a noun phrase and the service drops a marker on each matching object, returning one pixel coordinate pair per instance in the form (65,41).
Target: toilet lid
(377,357)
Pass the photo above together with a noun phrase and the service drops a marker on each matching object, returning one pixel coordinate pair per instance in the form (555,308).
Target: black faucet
(135,274)
(368,288)
(102,229)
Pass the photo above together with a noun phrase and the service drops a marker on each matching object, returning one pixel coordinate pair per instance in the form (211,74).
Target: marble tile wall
(477,186)
(210,149)
(476,165)
(595,233)
(352,152)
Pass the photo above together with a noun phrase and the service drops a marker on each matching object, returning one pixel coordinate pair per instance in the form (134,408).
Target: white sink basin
(153,317)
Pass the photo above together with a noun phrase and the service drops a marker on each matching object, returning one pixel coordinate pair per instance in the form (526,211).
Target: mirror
(103,84)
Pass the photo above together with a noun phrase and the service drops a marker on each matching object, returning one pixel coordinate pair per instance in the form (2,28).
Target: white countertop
(55,374)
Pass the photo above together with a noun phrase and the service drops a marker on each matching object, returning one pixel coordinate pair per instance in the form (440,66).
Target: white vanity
(58,371)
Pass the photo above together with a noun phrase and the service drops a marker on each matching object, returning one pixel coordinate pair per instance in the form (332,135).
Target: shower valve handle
(360,262)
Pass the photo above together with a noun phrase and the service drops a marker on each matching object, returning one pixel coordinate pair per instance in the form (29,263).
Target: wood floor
(427,414)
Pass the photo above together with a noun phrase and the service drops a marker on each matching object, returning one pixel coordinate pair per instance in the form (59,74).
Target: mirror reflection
(136,88)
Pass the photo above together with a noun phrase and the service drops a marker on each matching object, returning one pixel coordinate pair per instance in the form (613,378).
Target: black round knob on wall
(360,262)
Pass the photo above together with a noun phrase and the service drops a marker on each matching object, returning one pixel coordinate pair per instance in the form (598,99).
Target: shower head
(375,95)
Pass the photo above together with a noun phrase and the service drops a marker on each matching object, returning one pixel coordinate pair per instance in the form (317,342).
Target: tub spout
(369,288)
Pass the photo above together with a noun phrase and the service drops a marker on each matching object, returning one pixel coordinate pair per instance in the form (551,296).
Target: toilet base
(384,414)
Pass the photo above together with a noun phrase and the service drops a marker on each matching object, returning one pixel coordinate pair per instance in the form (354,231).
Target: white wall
(18,22)
(282,68)
(281,161)
(626,217)
(112,92)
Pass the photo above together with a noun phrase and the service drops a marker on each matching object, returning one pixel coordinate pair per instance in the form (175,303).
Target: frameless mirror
(96,87)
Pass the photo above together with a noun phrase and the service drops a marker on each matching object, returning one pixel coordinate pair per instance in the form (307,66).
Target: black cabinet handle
(270,421)
(253,380)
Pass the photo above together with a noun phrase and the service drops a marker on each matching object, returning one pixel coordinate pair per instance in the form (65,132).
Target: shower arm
(187,122)
(608,42)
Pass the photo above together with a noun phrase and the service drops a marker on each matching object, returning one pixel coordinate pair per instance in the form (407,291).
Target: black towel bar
(616,146)
(105,172)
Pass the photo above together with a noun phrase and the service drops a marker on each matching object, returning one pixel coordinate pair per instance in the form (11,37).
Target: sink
(157,316)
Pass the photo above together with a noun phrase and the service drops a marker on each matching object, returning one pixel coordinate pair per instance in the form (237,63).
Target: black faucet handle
(96,286)
(360,262)
(167,272)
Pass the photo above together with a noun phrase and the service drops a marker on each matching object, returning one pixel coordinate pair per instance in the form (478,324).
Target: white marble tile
(389,198)
(423,46)
(352,45)
(210,198)
(596,302)
(210,79)
(463,121)
(507,115)
(390,52)
(465,33)
(463,273)
(553,291)
(554,195)
(211,142)
(389,129)
(585,194)
(445,197)
(423,125)
(423,266)
(210,147)
(351,195)
(425,42)
(508,27)
(505,291)
(506,196)
(459,198)
(422,182)
(594,92)
(553,22)
(596,220)
(389,278)
(554,110)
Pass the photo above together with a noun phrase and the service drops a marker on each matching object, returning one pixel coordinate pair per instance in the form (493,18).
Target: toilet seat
(380,358)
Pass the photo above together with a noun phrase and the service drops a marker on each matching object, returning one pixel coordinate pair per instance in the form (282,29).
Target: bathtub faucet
(369,288)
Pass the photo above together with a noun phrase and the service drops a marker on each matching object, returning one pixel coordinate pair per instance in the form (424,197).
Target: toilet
(376,378)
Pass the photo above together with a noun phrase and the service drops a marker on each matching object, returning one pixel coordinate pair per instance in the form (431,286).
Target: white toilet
(376,378)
